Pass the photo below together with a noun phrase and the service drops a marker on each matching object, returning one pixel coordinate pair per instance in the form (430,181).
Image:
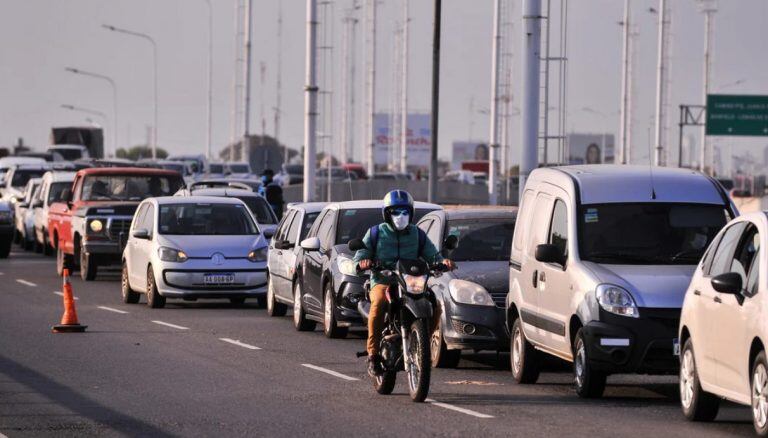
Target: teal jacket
(394,245)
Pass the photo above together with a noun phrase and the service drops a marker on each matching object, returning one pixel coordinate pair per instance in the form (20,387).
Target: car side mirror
(548,253)
(23,205)
(451,242)
(141,233)
(356,245)
(283,244)
(268,234)
(311,244)
(728,283)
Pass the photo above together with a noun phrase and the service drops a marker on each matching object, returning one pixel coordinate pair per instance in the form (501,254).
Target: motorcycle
(405,340)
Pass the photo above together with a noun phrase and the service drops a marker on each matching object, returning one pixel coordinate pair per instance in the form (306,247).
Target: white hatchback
(194,247)
(723,327)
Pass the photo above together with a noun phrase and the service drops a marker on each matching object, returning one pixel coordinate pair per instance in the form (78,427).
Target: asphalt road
(208,369)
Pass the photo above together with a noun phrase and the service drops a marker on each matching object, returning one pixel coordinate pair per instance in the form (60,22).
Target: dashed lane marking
(327,371)
(25,282)
(109,309)
(168,324)
(458,409)
(239,344)
(59,293)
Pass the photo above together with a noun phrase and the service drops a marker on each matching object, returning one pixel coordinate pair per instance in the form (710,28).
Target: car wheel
(273,307)
(38,247)
(88,268)
(237,301)
(16,236)
(759,389)
(524,359)
(300,320)
(330,324)
(441,356)
(154,299)
(5,248)
(47,248)
(590,383)
(28,245)
(128,294)
(697,405)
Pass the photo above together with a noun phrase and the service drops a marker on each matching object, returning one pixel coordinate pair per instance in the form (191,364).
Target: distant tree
(140,151)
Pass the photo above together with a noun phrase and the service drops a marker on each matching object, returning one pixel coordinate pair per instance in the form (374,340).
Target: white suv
(723,325)
(600,261)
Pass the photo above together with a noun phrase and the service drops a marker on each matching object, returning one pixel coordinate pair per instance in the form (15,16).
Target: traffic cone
(69,322)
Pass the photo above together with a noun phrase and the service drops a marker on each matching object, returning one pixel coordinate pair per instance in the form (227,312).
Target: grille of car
(499,298)
(117,226)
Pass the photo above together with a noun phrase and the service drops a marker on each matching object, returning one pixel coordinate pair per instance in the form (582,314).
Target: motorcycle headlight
(615,299)
(415,284)
(258,255)
(347,266)
(171,254)
(467,292)
(96,226)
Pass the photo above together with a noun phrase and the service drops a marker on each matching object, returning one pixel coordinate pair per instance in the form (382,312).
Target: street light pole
(531,80)
(708,8)
(209,109)
(661,86)
(625,87)
(494,146)
(114,99)
(310,104)
(432,189)
(154,58)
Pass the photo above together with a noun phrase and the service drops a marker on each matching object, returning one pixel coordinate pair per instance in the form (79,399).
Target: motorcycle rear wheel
(420,368)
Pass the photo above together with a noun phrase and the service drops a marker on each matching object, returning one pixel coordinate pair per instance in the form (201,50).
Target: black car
(329,287)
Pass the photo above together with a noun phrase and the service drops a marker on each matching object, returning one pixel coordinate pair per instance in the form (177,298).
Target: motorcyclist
(397,237)
(272,192)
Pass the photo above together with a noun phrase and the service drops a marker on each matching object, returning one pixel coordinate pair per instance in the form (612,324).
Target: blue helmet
(397,199)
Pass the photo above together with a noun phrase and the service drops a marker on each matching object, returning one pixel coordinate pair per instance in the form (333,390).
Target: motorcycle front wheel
(385,383)
(420,364)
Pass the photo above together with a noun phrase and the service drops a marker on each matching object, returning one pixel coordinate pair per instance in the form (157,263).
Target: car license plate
(218,279)
(676,347)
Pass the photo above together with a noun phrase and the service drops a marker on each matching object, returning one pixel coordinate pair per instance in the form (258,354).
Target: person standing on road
(396,238)
(272,192)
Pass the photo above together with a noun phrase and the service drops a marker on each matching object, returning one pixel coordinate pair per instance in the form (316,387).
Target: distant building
(265,153)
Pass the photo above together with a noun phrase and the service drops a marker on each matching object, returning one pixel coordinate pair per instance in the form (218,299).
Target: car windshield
(54,193)
(239,168)
(128,187)
(260,209)
(216,168)
(175,167)
(69,154)
(354,223)
(206,220)
(648,234)
(487,240)
(294,169)
(309,219)
(22,176)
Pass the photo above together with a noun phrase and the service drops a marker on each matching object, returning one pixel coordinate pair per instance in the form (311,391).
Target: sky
(39,38)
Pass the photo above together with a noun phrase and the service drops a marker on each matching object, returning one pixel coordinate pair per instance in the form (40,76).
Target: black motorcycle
(405,340)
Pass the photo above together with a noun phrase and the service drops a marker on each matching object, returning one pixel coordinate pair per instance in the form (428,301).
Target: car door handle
(279,253)
(696,292)
(535,278)
(718,300)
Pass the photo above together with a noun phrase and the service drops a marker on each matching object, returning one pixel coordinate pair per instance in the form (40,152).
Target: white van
(600,261)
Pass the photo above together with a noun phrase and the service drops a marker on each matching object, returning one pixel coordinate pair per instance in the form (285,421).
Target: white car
(70,152)
(23,214)
(723,326)
(194,247)
(53,185)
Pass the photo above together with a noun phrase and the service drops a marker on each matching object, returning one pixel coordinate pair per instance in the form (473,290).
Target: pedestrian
(272,192)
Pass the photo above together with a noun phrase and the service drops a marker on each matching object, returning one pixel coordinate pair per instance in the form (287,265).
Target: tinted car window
(54,193)
(724,254)
(285,224)
(293,232)
(148,221)
(216,168)
(128,187)
(138,218)
(746,253)
(481,239)
(260,209)
(558,231)
(309,220)
(648,234)
(325,228)
(206,219)
(22,176)
(354,223)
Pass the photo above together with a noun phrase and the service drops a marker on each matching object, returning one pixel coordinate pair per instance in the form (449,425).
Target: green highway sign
(745,115)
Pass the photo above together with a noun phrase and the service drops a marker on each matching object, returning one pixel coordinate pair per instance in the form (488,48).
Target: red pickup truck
(89,228)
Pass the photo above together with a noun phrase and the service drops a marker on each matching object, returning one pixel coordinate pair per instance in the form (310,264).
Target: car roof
(20,160)
(127,171)
(308,207)
(224,191)
(480,212)
(58,176)
(166,200)
(67,146)
(613,183)
(378,203)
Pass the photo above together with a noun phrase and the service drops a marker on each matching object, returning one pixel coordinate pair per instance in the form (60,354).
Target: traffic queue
(615,269)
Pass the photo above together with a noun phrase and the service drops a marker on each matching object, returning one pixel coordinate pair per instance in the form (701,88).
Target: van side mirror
(311,244)
(728,283)
(451,242)
(548,253)
(356,245)
(141,233)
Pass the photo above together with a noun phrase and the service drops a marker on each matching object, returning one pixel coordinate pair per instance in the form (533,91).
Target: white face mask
(400,222)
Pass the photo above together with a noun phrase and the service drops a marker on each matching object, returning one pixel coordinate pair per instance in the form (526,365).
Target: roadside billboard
(419,139)
(468,151)
(590,148)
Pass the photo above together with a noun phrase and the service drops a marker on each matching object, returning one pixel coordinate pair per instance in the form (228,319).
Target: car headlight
(415,284)
(171,254)
(96,226)
(258,255)
(467,292)
(347,266)
(617,300)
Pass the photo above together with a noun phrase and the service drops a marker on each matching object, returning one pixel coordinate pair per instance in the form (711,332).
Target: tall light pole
(404,96)
(310,104)
(370,116)
(708,8)
(432,188)
(661,85)
(246,150)
(624,124)
(87,111)
(114,99)
(531,81)
(154,58)
(495,99)
(209,109)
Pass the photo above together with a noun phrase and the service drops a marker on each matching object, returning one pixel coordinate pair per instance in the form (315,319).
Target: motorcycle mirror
(356,245)
(451,242)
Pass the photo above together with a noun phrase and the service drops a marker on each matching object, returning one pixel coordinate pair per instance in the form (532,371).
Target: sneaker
(374,366)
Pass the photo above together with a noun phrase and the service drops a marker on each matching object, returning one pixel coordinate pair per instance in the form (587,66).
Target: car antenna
(650,169)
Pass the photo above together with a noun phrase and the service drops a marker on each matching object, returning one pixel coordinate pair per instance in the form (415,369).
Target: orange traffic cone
(69,322)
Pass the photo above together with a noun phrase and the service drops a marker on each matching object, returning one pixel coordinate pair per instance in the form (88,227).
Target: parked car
(285,254)
(23,214)
(216,170)
(265,217)
(6,229)
(194,247)
(600,261)
(329,288)
(471,299)
(89,225)
(239,170)
(722,327)
(70,152)
(17,178)
(53,186)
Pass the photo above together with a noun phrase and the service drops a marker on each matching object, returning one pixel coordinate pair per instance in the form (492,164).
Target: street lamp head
(108,27)
(72,70)
(69,107)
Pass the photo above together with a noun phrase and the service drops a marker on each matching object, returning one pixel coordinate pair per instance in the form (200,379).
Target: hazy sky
(39,38)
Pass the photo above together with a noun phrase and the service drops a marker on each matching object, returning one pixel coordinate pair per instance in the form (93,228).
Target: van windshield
(648,234)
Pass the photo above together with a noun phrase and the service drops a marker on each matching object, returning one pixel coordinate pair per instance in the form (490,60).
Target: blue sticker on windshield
(590,216)
(350,212)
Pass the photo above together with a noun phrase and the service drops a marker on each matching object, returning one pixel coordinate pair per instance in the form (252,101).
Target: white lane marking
(1,435)
(167,324)
(59,293)
(327,371)
(111,309)
(240,344)
(25,282)
(458,409)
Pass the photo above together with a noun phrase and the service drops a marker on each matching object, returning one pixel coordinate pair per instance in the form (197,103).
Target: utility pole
(345,87)
(625,86)
(708,8)
(494,137)
(404,97)
(279,85)
(530,101)
(246,142)
(661,85)
(432,192)
(370,138)
(310,104)
(209,109)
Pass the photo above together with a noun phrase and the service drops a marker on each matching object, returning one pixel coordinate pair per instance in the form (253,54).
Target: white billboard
(419,139)
(590,148)
(468,151)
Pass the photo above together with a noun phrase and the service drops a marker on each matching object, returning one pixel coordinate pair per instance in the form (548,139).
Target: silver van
(600,262)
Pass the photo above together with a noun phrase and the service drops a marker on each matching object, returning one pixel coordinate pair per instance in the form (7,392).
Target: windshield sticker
(350,212)
(590,216)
